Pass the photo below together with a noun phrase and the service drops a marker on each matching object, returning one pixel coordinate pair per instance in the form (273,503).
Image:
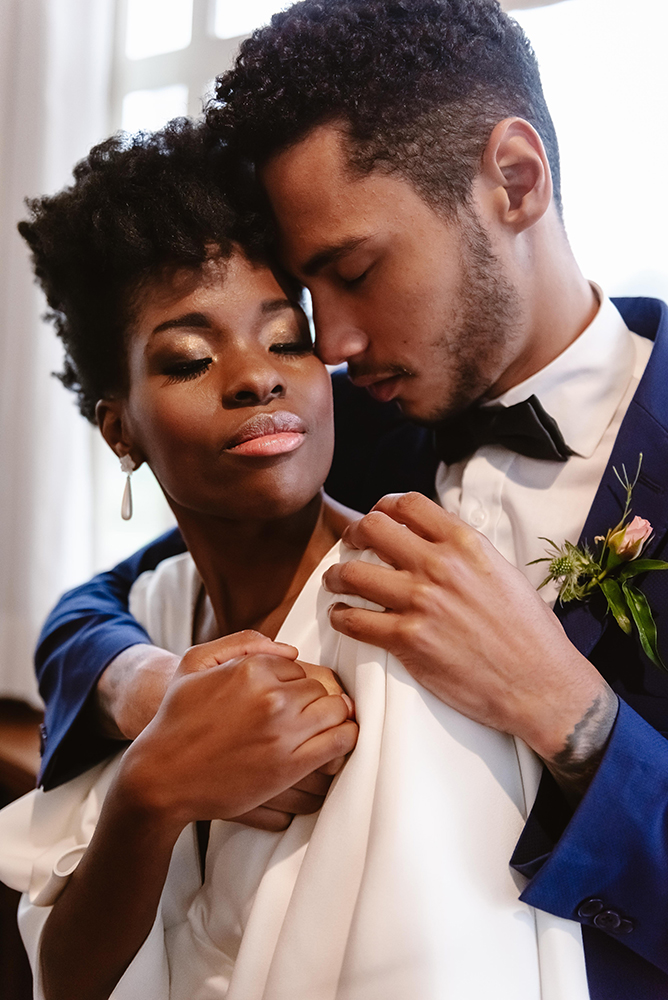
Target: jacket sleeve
(89,626)
(605,866)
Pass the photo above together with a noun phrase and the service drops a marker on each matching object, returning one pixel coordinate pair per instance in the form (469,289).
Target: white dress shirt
(514,500)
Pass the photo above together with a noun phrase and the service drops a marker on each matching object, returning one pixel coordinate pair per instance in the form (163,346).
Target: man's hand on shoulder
(470,628)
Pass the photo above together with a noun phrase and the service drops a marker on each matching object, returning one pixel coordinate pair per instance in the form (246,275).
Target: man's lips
(382,388)
(268,434)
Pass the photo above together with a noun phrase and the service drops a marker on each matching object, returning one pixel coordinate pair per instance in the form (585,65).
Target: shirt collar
(582,388)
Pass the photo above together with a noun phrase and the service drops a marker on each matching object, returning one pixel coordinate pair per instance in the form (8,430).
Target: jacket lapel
(644,429)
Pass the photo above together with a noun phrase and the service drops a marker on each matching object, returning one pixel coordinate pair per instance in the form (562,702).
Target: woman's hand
(235,732)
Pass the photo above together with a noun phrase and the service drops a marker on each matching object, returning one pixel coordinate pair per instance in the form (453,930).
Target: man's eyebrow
(189,320)
(332,253)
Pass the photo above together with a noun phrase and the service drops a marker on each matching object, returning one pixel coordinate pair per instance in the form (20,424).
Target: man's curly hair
(418,84)
(138,205)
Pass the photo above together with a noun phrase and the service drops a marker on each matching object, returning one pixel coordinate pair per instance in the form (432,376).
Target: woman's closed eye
(184,371)
(295,347)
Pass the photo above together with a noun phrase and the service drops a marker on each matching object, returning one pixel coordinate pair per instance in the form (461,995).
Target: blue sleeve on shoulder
(89,626)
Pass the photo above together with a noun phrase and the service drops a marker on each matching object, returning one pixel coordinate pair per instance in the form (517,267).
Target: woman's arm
(279,727)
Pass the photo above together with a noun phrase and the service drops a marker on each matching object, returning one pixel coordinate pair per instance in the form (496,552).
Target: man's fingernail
(349,703)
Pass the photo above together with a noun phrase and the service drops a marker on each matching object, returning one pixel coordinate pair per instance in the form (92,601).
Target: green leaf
(645,623)
(617,603)
(637,566)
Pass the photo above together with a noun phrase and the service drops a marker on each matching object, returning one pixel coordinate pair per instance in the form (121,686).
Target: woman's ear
(517,173)
(110,417)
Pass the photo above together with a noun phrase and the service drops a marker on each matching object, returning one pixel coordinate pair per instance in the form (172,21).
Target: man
(412,167)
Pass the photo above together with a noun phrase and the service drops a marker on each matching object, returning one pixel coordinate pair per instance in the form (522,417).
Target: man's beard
(475,347)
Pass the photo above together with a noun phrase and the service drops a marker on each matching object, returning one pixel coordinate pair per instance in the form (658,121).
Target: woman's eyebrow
(275,305)
(194,319)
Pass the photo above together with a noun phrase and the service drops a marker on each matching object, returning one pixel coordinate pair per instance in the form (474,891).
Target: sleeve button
(625,927)
(590,907)
(608,920)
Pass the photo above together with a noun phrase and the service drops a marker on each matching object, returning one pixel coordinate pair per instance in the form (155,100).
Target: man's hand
(234,734)
(132,688)
(470,628)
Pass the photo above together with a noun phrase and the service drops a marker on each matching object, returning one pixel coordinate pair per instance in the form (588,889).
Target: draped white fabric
(400,887)
(54,84)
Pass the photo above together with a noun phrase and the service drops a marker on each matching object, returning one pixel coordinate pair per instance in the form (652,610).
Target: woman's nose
(252,379)
(259,395)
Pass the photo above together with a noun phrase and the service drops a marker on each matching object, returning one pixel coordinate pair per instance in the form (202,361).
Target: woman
(194,356)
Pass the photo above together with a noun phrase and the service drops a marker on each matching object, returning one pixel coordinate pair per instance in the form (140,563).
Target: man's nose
(338,338)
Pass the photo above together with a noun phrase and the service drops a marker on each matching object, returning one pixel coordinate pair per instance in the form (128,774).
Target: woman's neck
(253,570)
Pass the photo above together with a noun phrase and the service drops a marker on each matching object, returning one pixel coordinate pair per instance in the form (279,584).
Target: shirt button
(478,517)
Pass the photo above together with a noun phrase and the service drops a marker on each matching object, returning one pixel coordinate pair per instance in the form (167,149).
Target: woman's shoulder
(163,601)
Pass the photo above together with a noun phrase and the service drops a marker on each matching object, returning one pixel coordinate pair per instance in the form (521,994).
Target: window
(167,55)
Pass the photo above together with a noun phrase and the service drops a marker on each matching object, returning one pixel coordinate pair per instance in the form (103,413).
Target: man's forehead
(321,202)
(312,176)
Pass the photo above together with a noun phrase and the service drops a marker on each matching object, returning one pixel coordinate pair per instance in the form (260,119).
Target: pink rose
(629,541)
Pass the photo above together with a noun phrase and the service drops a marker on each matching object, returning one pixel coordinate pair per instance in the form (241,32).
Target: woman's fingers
(317,751)
(212,654)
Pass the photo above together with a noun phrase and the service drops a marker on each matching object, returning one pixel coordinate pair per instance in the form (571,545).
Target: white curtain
(55,58)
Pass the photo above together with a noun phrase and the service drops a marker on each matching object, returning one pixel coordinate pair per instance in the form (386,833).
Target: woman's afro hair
(418,84)
(138,204)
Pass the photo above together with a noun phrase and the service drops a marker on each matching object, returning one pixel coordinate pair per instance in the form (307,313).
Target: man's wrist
(574,766)
(131,688)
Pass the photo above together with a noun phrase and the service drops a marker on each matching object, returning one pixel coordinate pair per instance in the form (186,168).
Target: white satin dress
(398,889)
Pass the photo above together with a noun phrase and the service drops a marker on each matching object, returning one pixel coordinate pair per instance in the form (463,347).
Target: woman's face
(227,402)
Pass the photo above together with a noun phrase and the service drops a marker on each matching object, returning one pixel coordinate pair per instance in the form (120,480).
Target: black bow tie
(525,428)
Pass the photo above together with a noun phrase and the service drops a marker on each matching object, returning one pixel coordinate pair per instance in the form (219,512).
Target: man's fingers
(419,513)
(374,627)
(393,542)
(384,586)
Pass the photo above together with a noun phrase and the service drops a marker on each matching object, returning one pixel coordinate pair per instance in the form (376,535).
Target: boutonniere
(611,569)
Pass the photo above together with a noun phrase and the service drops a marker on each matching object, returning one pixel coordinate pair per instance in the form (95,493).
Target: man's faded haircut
(418,86)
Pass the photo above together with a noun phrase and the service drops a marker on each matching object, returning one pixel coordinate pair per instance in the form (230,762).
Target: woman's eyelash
(184,371)
(293,347)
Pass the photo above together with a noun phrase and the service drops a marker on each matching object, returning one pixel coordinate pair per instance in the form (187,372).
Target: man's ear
(110,416)
(516,173)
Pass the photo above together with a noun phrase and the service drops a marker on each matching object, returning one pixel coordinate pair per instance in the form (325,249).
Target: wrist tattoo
(574,767)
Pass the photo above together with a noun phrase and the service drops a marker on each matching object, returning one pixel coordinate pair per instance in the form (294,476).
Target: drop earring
(128,467)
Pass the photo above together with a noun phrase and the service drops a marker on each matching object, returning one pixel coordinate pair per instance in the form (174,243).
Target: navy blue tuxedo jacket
(606,865)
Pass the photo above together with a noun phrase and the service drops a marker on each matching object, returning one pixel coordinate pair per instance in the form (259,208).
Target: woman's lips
(268,434)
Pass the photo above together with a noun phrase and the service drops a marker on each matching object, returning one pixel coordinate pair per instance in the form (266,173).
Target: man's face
(416,302)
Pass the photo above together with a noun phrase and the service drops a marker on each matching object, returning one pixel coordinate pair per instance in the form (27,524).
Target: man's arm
(89,627)
(471,629)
